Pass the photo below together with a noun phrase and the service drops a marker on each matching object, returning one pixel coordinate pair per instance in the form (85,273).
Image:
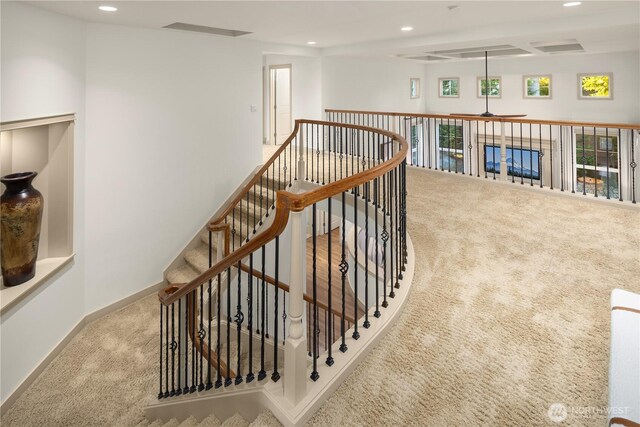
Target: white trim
(417,81)
(110,308)
(39,121)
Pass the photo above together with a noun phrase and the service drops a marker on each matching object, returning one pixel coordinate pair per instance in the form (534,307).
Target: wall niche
(43,145)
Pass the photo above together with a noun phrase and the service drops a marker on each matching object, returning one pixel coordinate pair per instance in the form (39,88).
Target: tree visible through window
(597,164)
(595,86)
(492,86)
(537,86)
(449,87)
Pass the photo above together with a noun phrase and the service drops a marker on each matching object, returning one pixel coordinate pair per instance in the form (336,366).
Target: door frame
(270,115)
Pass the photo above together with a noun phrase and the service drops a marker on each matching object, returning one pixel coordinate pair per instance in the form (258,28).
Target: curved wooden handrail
(228,206)
(287,202)
(491,119)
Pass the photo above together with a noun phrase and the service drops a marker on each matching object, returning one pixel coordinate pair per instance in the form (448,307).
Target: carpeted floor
(509,313)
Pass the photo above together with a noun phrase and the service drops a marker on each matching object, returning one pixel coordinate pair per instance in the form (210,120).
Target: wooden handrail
(287,202)
(228,206)
(491,119)
(285,287)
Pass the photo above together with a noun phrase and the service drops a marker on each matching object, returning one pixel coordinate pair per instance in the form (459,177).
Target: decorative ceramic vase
(20,221)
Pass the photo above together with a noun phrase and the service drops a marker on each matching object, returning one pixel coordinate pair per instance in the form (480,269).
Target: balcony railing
(593,159)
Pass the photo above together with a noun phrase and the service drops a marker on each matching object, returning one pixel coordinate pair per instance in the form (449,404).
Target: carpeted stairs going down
(265,419)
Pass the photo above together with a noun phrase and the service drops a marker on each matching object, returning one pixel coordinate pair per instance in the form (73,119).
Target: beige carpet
(509,314)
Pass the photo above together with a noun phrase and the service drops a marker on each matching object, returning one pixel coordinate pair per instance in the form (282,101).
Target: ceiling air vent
(205,29)
(574,47)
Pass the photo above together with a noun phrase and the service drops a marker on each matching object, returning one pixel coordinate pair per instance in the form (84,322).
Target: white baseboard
(6,404)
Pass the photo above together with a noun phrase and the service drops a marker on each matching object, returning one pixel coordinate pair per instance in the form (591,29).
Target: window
(520,162)
(597,164)
(492,86)
(414,88)
(451,147)
(595,86)
(415,143)
(449,87)
(537,86)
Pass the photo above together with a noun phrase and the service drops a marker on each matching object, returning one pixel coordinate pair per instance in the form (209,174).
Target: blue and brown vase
(20,221)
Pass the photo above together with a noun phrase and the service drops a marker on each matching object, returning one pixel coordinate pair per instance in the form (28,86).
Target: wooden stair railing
(287,202)
(391,157)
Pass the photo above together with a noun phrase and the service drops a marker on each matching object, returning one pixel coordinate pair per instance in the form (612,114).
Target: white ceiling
(372,28)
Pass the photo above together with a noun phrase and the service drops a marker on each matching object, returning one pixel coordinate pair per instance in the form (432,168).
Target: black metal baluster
(275,376)
(166,354)
(530,156)
(550,156)
(478,151)
(376,190)
(397,226)
(521,161)
(485,150)
(314,232)
(228,381)
(194,363)
(179,389)
(218,383)
(239,317)
(306,148)
(317,154)
(562,177)
(385,237)
(392,293)
(344,267)
(595,163)
(173,350)
(355,334)
(186,347)
(606,133)
(633,166)
(328,326)
(513,175)
(493,146)
(584,162)
(160,393)
(201,336)
(262,374)
(573,168)
(324,154)
(366,323)
(250,375)
(540,156)
(266,208)
(619,162)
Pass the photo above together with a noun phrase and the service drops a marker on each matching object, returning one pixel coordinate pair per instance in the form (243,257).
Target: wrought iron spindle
(275,376)
(201,336)
(366,323)
(250,375)
(218,383)
(262,374)
(328,325)
(160,393)
(228,381)
(314,232)
(179,389)
(239,317)
(344,267)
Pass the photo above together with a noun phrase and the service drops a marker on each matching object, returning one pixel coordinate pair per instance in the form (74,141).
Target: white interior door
(280,102)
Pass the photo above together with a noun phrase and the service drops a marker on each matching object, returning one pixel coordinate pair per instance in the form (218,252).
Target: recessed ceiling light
(108,8)
(311,42)
(406,28)
(572,3)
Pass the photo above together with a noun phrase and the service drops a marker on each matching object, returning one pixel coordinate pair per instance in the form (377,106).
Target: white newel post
(503,154)
(295,349)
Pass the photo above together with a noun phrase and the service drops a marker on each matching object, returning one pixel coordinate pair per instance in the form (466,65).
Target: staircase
(248,218)
(256,315)
(265,419)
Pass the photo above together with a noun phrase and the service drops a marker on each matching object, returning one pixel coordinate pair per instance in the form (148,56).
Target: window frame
(578,167)
(415,95)
(450,150)
(599,98)
(441,80)
(524,86)
(479,88)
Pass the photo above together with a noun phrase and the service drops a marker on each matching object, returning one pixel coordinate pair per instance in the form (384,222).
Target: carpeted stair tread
(198,258)
(204,238)
(183,274)
(190,422)
(171,423)
(265,419)
(235,421)
(210,421)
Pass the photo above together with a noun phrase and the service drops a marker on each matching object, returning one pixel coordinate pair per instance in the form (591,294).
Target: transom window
(537,86)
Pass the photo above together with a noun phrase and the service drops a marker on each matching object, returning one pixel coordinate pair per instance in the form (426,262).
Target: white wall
(170,134)
(42,68)
(564,104)
(306,87)
(371,84)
